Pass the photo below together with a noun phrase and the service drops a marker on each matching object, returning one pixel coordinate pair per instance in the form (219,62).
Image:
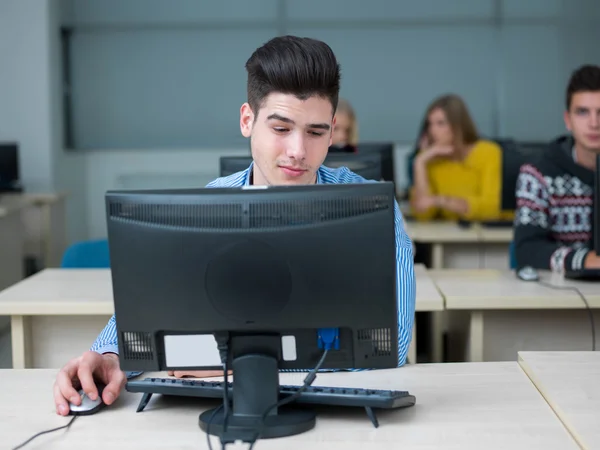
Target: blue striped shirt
(405,275)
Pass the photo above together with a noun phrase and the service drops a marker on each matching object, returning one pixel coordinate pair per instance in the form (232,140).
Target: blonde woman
(457,175)
(345,131)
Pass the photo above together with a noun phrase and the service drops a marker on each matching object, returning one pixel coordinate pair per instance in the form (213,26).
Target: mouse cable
(310,378)
(45,432)
(585,302)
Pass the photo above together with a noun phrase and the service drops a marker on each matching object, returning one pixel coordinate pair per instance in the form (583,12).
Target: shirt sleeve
(534,244)
(107,341)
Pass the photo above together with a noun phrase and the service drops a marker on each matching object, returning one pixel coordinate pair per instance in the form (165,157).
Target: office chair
(87,255)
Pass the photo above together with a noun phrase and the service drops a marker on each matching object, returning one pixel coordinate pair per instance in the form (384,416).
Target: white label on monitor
(251,186)
(288,348)
(197,350)
(191,350)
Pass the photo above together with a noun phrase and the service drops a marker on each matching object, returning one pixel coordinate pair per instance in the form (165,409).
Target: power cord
(223,346)
(585,302)
(46,432)
(328,339)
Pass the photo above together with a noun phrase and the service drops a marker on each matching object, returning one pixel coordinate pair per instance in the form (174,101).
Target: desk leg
(21,341)
(437,256)
(476,337)
(412,349)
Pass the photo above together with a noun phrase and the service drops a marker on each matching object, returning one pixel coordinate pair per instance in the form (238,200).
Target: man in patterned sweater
(553,220)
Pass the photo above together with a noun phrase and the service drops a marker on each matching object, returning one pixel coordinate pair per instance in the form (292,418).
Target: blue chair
(512,257)
(87,255)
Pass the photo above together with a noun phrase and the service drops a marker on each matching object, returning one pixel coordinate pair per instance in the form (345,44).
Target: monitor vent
(380,340)
(137,346)
(308,212)
(253,215)
(220,216)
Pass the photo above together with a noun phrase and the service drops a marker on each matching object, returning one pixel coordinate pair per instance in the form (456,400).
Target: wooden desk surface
(441,232)
(89,292)
(501,289)
(60,292)
(459,406)
(570,383)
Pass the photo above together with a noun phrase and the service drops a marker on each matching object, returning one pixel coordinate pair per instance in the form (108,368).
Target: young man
(293,86)
(553,220)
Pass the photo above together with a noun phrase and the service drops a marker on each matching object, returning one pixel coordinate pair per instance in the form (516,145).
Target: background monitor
(229,165)
(188,264)
(366,165)
(596,212)
(9,166)
(386,150)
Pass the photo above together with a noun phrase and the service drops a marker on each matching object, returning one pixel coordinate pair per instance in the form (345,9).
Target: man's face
(289,138)
(583,119)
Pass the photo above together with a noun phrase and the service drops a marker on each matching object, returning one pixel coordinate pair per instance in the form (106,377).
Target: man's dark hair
(585,79)
(302,67)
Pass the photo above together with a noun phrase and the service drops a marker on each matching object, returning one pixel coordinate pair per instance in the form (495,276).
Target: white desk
(453,247)
(11,246)
(44,224)
(570,383)
(459,406)
(57,313)
(497,315)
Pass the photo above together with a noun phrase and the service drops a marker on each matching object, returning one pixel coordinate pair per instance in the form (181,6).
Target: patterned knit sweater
(553,220)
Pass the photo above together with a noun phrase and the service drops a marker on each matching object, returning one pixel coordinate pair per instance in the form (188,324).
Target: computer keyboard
(315,395)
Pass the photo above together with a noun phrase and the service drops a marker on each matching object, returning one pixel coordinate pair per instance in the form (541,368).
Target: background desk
(58,313)
(570,383)
(44,223)
(454,247)
(494,315)
(459,406)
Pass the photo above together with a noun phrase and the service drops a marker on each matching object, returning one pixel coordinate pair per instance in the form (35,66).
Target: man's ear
(331,133)
(567,119)
(246,120)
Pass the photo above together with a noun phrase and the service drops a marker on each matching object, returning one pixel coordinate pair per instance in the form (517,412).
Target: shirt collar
(249,175)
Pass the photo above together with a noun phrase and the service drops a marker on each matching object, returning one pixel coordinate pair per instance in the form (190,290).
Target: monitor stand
(256,388)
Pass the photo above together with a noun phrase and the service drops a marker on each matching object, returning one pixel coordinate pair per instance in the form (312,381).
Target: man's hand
(81,373)
(592,261)
(196,373)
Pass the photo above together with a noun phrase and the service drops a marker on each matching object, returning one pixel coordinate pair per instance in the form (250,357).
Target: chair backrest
(512,257)
(87,255)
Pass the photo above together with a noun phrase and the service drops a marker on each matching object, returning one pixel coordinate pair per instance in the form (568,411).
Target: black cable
(212,417)
(585,302)
(45,432)
(310,378)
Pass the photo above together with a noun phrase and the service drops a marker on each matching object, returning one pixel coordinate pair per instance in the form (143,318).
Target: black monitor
(386,150)
(366,165)
(596,212)
(228,165)
(265,268)
(9,167)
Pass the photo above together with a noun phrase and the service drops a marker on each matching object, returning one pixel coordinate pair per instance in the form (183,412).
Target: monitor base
(285,423)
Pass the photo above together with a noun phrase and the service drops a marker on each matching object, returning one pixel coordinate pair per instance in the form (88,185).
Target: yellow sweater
(477,179)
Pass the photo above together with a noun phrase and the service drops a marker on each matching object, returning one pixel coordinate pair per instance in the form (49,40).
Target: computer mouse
(528,273)
(87,406)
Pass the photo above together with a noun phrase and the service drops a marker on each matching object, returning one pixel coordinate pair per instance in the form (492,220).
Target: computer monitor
(367,166)
(9,167)
(270,268)
(386,150)
(596,213)
(228,165)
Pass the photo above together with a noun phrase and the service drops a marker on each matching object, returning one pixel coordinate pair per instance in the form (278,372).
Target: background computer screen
(229,165)
(9,164)
(386,150)
(366,165)
(596,212)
